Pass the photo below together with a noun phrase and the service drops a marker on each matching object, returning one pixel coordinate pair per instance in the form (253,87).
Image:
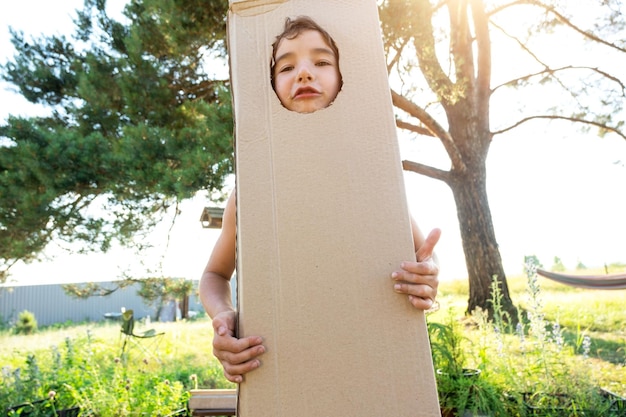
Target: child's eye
(286,68)
(323,63)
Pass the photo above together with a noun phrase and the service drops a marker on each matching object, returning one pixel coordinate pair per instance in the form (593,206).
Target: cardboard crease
(254,7)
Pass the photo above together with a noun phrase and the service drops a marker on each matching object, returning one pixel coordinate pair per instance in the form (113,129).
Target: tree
(137,125)
(447,47)
(156,291)
(557,265)
(161,290)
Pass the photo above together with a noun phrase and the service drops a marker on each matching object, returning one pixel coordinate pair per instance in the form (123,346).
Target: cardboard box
(322,223)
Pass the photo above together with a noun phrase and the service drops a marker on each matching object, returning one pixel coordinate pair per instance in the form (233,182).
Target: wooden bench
(213,402)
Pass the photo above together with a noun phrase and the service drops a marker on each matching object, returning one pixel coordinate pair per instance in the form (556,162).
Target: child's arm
(419,278)
(237,356)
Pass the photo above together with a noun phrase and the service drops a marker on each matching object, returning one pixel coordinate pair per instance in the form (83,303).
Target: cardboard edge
(254,7)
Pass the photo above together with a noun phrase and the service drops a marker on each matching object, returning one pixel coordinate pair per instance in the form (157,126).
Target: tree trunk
(462,87)
(184,307)
(482,256)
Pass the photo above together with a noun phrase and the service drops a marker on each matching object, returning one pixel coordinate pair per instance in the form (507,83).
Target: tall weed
(534,363)
(86,370)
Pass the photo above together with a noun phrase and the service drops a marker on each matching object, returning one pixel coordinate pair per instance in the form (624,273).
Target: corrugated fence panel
(50,304)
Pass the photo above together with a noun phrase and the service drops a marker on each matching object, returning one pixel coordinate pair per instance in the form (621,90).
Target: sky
(553,191)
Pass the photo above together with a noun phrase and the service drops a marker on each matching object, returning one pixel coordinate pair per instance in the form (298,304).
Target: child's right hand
(237,356)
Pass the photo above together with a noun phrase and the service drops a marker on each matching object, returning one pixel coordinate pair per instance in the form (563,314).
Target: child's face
(306,74)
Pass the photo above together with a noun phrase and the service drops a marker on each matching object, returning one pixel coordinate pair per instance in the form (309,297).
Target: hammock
(594,282)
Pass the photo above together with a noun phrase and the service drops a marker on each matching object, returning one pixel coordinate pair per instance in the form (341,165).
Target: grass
(185,338)
(82,364)
(577,314)
(598,313)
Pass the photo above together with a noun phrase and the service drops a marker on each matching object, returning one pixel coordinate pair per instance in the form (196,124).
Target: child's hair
(293,28)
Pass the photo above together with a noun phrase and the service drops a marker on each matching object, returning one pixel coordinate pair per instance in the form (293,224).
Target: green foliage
(566,345)
(448,346)
(84,357)
(615,266)
(160,290)
(151,290)
(85,371)
(532,259)
(91,289)
(470,392)
(557,265)
(155,291)
(459,387)
(535,363)
(137,124)
(26,323)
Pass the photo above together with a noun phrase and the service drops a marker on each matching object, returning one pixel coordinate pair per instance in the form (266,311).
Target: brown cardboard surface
(322,223)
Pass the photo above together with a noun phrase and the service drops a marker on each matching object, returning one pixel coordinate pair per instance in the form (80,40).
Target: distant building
(211,217)
(50,304)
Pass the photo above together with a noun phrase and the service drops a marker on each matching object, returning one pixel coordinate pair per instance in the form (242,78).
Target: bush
(87,371)
(26,323)
(553,360)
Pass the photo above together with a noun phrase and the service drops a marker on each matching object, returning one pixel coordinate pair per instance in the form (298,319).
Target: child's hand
(237,356)
(420,279)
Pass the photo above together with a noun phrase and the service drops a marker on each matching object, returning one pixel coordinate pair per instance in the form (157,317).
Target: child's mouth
(306,92)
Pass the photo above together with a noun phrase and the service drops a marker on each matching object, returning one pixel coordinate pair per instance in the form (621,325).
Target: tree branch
(426,170)
(431,124)
(483,42)
(204,90)
(568,118)
(552,71)
(547,69)
(397,55)
(574,27)
(564,20)
(424,43)
(461,46)
(420,130)
(92,289)
(505,6)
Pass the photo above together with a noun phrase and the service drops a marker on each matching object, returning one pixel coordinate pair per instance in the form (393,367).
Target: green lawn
(82,364)
(598,314)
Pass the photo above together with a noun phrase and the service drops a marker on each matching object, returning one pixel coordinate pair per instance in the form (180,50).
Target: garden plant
(531,364)
(565,355)
(83,368)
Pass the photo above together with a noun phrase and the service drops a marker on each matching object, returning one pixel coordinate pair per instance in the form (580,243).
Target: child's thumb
(426,250)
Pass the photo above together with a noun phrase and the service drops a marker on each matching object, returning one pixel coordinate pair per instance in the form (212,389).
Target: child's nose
(305,74)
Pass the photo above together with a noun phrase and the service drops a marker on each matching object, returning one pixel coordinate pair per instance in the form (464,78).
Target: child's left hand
(419,279)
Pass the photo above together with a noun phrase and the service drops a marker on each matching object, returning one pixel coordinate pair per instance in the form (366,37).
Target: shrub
(540,364)
(460,388)
(26,323)
(535,364)
(88,372)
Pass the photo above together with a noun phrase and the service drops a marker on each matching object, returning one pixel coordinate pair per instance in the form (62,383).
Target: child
(306,78)
(305,67)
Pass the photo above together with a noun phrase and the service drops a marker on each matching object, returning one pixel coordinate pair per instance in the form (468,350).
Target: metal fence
(50,304)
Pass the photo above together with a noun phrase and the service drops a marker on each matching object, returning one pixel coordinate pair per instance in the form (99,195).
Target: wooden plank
(213,402)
